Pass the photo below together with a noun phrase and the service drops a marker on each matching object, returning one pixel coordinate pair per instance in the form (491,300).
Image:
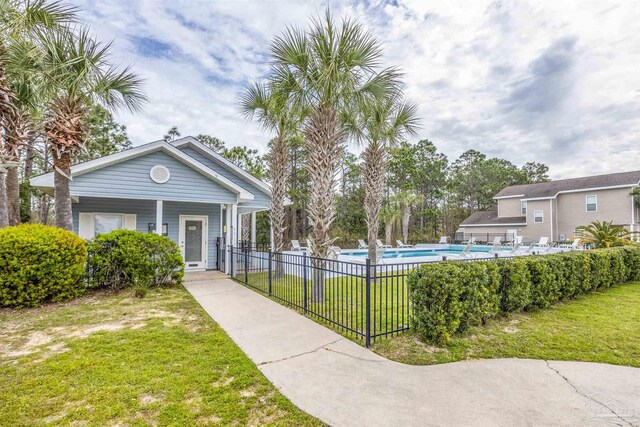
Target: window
(523,207)
(104,223)
(592,203)
(538,216)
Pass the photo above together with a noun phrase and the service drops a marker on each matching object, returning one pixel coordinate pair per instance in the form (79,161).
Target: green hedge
(449,297)
(126,258)
(38,264)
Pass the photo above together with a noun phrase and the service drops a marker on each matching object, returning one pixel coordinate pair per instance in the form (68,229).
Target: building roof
(46,181)
(491,218)
(552,188)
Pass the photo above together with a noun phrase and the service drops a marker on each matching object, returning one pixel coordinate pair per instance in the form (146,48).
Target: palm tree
(77,73)
(381,123)
(604,234)
(172,134)
(21,22)
(407,199)
(271,110)
(326,71)
(390,215)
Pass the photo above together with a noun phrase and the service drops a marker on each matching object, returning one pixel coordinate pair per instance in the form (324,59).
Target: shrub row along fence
(450,297)
(358,299)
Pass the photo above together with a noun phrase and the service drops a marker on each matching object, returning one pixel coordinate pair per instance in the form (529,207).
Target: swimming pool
(423,252)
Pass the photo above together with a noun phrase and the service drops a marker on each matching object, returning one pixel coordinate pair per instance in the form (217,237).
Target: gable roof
(222,161)
(46,180)
(491,218)
(551,189)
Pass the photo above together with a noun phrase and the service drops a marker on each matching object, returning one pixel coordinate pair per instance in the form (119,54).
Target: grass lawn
(598,327)
(109,359)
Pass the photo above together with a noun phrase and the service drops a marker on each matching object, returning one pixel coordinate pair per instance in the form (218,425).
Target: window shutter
(85,225)
(130,221)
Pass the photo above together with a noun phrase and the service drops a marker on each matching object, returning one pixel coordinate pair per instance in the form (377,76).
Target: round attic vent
(159,174)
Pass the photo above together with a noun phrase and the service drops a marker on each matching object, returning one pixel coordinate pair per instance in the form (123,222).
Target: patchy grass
(119,360)
(598,327)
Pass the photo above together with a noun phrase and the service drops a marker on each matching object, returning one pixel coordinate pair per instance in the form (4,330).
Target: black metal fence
(483,237)
(358,299)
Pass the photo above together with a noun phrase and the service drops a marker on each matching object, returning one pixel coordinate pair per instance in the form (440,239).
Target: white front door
(193,241)
(512,233)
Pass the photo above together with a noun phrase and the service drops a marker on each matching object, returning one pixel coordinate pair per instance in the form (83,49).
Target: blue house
(181,189)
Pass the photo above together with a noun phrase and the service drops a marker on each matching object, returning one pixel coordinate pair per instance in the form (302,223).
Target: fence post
(246,265)
(367,338)
(231,261)
(270,269)
(304,281)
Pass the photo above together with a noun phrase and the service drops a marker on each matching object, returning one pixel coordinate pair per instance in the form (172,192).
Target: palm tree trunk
(406,215)
(324,139)
(4,217)
(61,192)
(279,177)
(388,229)
(374,172)
(13,194)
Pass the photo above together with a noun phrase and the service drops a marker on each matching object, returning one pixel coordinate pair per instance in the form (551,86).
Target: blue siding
(130,179)
(260,198)
(145,211)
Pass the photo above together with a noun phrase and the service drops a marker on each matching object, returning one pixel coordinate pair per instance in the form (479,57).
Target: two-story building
(554,209)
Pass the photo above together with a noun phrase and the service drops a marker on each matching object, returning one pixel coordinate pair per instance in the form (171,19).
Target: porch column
(159,217)
(228,241)
(234,224)
(253,229)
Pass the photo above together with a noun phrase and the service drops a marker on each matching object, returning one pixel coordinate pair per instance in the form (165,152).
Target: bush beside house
(40,264)
(126,258)
(451,296)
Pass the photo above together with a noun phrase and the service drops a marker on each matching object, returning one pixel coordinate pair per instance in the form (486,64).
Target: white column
(234,224)
(253,228)
(228,241)
(159,217)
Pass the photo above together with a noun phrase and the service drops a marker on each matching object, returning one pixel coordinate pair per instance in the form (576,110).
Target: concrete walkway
(344,384)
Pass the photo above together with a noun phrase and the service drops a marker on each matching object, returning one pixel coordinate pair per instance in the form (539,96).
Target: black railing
(360,300)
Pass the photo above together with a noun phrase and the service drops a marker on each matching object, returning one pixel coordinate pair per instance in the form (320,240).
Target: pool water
(423,252)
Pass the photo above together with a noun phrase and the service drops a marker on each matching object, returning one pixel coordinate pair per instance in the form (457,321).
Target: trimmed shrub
(449,297)
(38,264)
(127,258)
(437,307)
(515,284)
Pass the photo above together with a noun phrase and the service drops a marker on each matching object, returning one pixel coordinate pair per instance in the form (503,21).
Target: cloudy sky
(549,81)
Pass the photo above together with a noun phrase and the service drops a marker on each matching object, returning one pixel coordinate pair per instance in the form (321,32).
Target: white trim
(596,188)
(162,168)
(534,216)
(46,180)
(586,203)
(538,198)
(493,225)
(159,217)
(508,197)
(202,265)
(230,166)
(550,217)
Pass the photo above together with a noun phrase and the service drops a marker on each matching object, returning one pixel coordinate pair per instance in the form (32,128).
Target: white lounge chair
(515,250)
(402,245)
(495,248)
(443,240)
(295,246)
(472,241)
(543,242)
(572,246)
(362,244)
(528,250)
(380,245)
(334,252)
(497,240)
(466,252)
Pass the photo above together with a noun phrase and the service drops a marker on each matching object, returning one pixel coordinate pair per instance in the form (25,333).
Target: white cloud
(549,81)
